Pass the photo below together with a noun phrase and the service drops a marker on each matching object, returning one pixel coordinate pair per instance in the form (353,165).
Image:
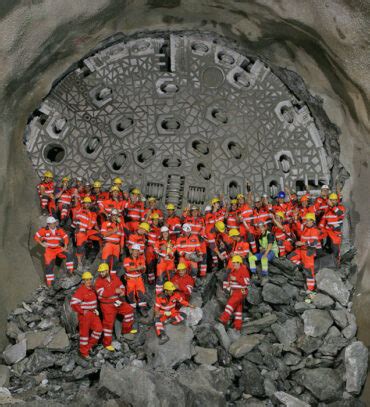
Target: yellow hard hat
(333,197)
(169,286)
(151,199)
(234,201)
(310,216)
(66,179)
(87,275)
(220,226)
(144,226)
(170,207)
(236,259)
(181,266)
(154,215)
(234,232)
(97,184)
(48,174)
(117,181)
(136,191)
(87,199)
(103,267)
(280,214)
(215,200)
(114,188)
(240,196)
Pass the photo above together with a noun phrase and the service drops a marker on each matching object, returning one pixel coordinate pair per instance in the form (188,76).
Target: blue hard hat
(281,194)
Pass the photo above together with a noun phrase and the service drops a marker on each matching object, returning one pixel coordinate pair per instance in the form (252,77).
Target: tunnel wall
(325,42)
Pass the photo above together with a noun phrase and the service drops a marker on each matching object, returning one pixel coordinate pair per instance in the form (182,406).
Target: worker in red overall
(183,282)
(152,209)
(239,247)
(139,237)
(111,296)
(134,267)
(283,234)
(166,310)
(113,202)
(113,234)
(134,210)
(150,253)
(191,217)
(306,249)
(55,241)
(173,222)
(331,224)
(188,248)
(45,190)
(63,197)
(165,251)
(237,282)
(321,202)
(232,216)
(84,302)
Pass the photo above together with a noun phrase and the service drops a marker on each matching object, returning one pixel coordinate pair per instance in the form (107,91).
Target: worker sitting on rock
(84,301)
(183,282)
(268,249)
(237,281)
(166,310)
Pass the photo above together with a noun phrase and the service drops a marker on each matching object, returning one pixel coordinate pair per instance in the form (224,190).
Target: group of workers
(140,245)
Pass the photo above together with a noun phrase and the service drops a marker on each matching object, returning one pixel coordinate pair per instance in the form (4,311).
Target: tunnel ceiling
(182,116)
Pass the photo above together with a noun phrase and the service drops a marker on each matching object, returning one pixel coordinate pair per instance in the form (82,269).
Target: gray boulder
(4,376)
(350,330)
(288,400)
(37,339)
(68,317)
(356,361)
(67,281)
(222,335)
(245,344)
(329,282)
(40,359)
(308,344)
(15,353)
(59,340)
(322,301)
(193,315)
(274,294)
(287,332)
(252,380)
(316,322)
(172,353)
(205,356)
(325,384)
(340,317)
(206,336)
(258,325)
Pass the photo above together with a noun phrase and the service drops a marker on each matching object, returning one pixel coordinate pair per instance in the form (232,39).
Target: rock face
(316,322)
(207,356)
(15,353)
(176,350)
(356,361)
(330,283)
(244,344)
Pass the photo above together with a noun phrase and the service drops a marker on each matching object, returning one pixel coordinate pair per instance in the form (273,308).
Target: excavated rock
(329,282)
(316,322)
(244,344)
(356,362)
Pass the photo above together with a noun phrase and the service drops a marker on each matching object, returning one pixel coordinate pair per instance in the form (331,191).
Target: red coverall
(261,214)
(166,264)
(46,202)
(150,254)
(238,281)
(284,239)
(107,205)
(146,215)
(84,302)
(113,244)
(167,307)
(306,254)
(106,290)
(196,223)
(174,225)
(134,282)
(54,239)
(232,220)
(241,249)
(184,284)
(187,245)
(85,222)
(331,226)
(134,211)
(64,204)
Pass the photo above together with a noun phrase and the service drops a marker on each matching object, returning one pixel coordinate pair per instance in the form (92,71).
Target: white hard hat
(164,229)
(79,178)
(265,196)
(186,227)
(208,208)
(51,219)
(325,187)
(136,247)
(114,211)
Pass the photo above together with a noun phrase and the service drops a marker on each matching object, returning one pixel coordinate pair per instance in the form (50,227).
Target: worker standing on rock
(84,301)
(237,282)
(183,282)
(166,310)
(111,296)
(164,249)
(46,191)
(55,241)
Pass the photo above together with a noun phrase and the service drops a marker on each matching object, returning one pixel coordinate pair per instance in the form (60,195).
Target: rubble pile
(290,351)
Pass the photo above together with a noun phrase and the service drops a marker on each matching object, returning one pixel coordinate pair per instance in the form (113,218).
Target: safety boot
(163,338)
(110,348)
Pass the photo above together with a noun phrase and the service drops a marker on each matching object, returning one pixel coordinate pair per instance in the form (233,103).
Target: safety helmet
(214,200)
(51,219)
(114,188)
(325,187)
(66,179)
(170,207)
(220,226)
(304,198)
(257,199)
(208,208)
(333,197)
(280,214)
(117,181)
(310,216)
(281,195)
(87,199)
(48,174)
(194,208)
(152,199)
(136,247)
(234,202)
(239,196)
(181,266)
(236,259)
(169,286)
(145,226)
(97,184)
(103,267)
(87,276)
(154,215)
(114,212)
(186,227)
(164,229)
(136,191)
(234,232)
(265,196)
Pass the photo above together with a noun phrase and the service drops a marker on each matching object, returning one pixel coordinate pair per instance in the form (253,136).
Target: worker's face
(115,218)
(47,179)
(324,192)
(152,204)
(280,200)
(280,219)
(134,197)
(262,228)
(170,212)
(236,265)
(194,213)
(181,272)
(241,201)
(258,204)
(65,184)
(304,204)
(135,253)
(265,200)
(115,194)
(236,238)
(155,221)
(234,207)
(165,235)
(187,234)
(168,293)
(86,205)
(141,231)
(216,206)
(104,274)
(310,223)
(88,282)
(52,225)
(333,202)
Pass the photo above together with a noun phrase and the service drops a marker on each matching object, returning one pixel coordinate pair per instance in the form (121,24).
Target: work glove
(117,303)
